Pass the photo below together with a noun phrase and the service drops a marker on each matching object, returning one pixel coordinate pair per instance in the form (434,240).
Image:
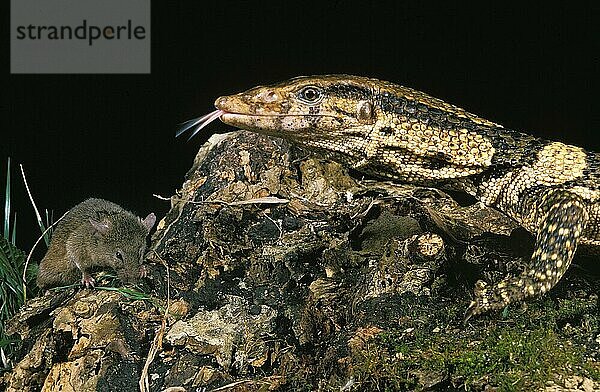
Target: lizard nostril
(221,102)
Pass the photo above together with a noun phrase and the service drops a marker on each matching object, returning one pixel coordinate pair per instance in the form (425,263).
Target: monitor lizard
(390,131)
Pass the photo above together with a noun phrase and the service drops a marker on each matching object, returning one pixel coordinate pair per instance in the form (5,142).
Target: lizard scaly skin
(395,132)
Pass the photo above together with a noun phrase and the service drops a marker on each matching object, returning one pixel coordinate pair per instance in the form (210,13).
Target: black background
(532,69)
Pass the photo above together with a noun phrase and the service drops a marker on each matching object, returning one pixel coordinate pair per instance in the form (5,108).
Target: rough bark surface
(281,270)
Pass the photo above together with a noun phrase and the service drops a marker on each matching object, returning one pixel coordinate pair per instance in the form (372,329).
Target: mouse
(96,233)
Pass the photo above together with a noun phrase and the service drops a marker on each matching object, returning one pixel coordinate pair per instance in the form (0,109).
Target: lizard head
(313,111)
(307,110)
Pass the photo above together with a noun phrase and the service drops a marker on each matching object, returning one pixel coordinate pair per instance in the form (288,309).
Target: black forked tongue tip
(184,126)
(198,123)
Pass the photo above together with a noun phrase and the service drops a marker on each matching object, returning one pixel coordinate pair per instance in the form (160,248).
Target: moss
(576,307)
(507,357)
(512,359)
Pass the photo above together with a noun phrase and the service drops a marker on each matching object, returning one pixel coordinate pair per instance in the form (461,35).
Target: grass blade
(7,203)
(38,217)
(14,230)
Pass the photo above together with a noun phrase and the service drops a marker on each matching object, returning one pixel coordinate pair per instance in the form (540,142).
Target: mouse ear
(149,221)
(101,227)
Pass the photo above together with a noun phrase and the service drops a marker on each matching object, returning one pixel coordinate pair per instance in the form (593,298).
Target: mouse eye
(119,255)
(310,94)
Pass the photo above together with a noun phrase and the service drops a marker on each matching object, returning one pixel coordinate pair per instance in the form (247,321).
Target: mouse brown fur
(95,233)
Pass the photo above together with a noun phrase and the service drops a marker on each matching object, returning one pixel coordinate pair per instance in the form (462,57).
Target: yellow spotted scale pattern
(395,132)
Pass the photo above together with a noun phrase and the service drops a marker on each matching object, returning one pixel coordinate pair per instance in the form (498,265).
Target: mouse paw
(88,281)
(143,271)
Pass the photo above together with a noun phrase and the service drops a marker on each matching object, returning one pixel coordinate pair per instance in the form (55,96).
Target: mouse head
(121,243)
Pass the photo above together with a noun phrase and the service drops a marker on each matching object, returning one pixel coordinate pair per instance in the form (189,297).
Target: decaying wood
(280,267)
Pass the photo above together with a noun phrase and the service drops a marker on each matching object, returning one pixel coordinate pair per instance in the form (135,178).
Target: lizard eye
(119,255)
(310,94)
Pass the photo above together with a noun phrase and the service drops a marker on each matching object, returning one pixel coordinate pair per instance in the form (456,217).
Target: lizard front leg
(561,221)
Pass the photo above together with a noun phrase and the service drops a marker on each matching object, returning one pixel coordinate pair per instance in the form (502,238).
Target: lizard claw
(479,304)
(143,271)
(471,311)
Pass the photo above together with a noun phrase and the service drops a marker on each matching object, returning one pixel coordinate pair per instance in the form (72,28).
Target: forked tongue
(198,123)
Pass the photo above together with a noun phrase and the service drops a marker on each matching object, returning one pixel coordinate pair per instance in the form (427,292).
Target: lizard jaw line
(272,115)
(197,124)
